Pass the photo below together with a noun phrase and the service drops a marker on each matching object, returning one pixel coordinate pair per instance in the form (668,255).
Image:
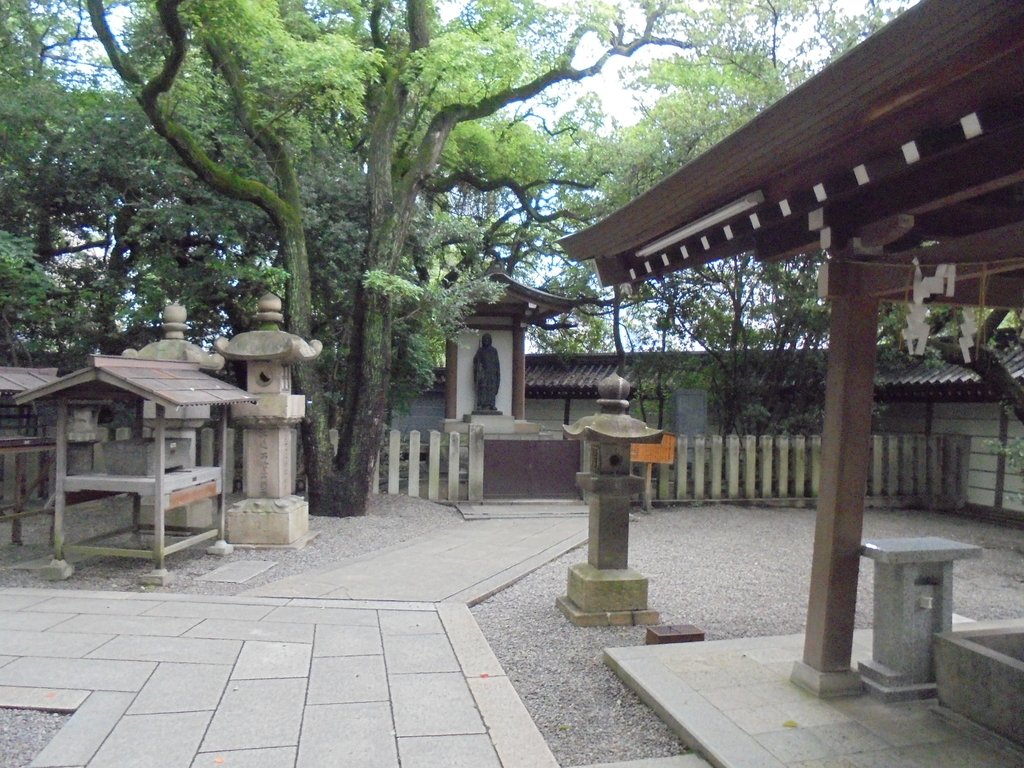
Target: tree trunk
(364,410)
(314,431)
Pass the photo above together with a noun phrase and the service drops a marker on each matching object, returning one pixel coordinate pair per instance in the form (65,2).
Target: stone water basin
(980,675)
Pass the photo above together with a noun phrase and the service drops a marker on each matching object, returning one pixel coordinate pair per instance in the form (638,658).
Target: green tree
(759,324)
(395,81)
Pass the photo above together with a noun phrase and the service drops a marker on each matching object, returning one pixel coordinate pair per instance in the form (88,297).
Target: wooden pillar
(451,376)
(845,456)
(518,370)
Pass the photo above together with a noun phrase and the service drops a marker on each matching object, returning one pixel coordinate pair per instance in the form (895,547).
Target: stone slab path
(376,662)
(465,564)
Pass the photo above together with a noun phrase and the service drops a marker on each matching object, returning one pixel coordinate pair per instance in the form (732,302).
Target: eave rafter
(922,177)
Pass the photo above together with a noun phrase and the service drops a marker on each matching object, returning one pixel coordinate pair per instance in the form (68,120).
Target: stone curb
(513,733)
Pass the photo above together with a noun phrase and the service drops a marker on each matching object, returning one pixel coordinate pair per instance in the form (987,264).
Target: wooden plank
(892,465)
(934,483)
(783,466)
(750,466)
(877,451)
(453,466)
(434,465)
(654,453)
(664,472)
(699,461)
(112,483)
(733,462)
(920,465)
(716,466)
(414,464)
(394,460)
(188,495)
(682,465)
(906,484)
(767,444)
(800,466)
(815,465)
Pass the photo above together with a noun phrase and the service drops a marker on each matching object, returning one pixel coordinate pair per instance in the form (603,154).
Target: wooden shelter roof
(531,305)
(913,138)
(14,380)
(165,382)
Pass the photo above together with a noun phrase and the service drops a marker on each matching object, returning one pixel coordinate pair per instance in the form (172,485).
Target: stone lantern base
(277,522)
(600,597)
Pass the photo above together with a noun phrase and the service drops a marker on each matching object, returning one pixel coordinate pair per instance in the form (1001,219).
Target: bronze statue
(486,375)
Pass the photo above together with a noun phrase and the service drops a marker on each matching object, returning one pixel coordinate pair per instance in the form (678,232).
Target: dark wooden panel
(531,469)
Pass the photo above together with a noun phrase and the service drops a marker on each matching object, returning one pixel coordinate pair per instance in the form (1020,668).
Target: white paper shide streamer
(942,282)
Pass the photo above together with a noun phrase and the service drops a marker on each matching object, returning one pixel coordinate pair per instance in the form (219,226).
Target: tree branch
(521,192)
(149,94)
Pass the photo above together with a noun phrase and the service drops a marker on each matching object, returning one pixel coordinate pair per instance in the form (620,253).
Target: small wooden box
(674,633)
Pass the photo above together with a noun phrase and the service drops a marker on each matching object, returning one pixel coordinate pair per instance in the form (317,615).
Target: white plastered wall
(469,342)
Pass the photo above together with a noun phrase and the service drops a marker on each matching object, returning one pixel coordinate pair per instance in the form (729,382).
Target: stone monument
(182,422)
(605,590)
(271,513)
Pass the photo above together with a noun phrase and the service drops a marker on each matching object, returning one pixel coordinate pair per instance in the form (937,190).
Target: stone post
(271,513)
(913,603)
(605,590)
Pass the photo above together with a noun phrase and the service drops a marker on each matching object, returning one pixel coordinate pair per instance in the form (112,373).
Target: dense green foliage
(370,161)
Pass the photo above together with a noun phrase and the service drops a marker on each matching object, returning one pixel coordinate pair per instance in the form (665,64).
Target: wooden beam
(993,245)
(846,439)
(987,162)
(451,364)
(986,285)
(885,231)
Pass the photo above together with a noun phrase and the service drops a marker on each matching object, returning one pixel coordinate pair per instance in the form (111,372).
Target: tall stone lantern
(271,513)
(605,590)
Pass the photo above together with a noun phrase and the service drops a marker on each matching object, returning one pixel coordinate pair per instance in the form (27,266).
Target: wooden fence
(906,470)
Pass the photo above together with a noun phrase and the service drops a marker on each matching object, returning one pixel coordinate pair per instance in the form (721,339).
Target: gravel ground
(733,571)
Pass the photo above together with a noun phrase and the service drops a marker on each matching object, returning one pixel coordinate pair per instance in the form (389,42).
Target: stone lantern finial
(174,325)
(269,317)
(173,345)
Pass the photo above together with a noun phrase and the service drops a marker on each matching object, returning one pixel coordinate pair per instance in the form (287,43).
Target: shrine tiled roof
(932,379)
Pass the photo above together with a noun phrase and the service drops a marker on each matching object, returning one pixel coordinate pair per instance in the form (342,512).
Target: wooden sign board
(654,453)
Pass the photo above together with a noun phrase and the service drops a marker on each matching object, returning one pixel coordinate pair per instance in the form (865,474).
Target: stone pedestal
(605,590)
(913,602)
(598,597)
(274,522)
(492,424)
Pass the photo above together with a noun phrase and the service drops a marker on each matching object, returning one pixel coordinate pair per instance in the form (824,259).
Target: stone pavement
(377,662)
(732,701)
(465,564)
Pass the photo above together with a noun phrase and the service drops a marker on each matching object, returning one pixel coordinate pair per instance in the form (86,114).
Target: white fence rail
(905,469)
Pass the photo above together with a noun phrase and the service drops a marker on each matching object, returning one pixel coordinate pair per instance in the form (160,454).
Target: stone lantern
(605,590)
(271,513)
(181,423)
